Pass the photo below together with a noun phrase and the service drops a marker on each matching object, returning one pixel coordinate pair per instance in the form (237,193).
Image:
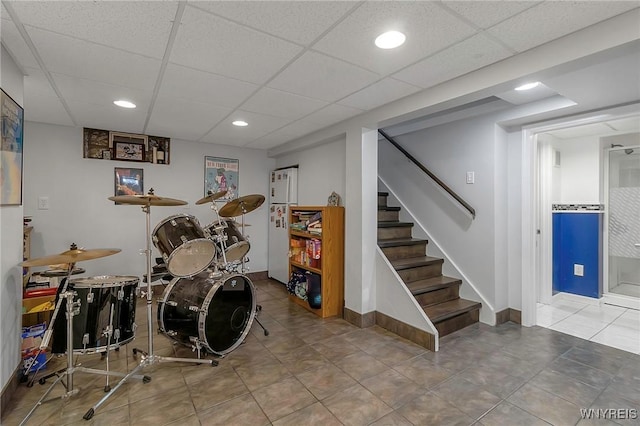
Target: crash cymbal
(147,200)
(211,197)
(70,256)
(241,205)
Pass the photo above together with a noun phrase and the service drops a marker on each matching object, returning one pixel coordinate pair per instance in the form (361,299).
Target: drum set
(209,305)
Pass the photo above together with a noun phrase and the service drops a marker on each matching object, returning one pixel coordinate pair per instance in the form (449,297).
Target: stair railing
(435,178)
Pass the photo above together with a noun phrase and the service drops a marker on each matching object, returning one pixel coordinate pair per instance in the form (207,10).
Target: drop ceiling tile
(214,44)
(380,93)
(183,119)
(136,26)
(274,139)
(41,102)
(299,22)
(260,125)
(78,58)
(83,90)
(281,104)
(16,45)
(554,19)
(108,117)
(186,83)
(318,76)
(428,28)
(332,114)
(469,55)
(485,14)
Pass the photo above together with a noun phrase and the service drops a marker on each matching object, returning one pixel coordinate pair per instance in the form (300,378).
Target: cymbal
(70,256)
(61,272)
(241,205)
(147,200)
(211,197)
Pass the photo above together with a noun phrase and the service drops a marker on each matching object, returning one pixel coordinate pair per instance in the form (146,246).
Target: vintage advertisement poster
(221,174)
(11,151)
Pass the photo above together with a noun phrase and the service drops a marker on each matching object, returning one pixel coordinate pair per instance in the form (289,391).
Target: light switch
(43,203)
(578,270)
(471,178)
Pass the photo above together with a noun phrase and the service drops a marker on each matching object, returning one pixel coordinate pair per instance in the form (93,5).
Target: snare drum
(216,314)
(235,247)
(183,245)
(106,302)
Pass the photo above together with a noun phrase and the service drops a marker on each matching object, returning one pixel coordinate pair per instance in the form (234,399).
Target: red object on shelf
(40,292)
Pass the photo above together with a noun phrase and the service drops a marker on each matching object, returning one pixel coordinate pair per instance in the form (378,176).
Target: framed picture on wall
(221,174)
(128,151)
(128,181)
(11,151)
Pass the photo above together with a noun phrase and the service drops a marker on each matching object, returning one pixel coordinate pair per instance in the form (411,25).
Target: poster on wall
(221,174)
(128,181)
(11,151)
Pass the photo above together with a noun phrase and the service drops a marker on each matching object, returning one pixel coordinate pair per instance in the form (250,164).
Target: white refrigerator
(283,192)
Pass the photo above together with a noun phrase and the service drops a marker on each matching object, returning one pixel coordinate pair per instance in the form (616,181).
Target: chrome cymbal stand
(148,358)
(73,308)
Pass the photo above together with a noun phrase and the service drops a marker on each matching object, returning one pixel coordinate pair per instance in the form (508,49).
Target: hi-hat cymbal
(70,256)
(211,197)
(241,205)
(147,200)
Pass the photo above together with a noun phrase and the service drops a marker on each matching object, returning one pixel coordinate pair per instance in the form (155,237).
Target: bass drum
(106,302)
(216,313)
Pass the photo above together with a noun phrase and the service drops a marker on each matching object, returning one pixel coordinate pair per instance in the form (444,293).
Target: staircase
(437,295)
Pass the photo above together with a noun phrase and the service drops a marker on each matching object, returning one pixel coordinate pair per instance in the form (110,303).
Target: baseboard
(358,319)
(576,298)
(507,315)
(258,276)
(9,390)
(409,332)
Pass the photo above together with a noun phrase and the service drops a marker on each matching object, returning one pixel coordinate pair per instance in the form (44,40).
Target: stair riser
(438,296)
(420,272)
(394,232)
(402,252)
(459,322)
(388,216)
(382,200)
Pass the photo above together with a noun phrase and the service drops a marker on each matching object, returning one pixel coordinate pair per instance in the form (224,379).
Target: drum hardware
(148,357)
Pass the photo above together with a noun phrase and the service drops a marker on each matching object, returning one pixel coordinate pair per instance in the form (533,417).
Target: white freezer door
(283,186)
(279,243)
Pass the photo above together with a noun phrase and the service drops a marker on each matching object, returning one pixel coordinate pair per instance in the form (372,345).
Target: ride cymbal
(211,197)
(70,256)
(147,200)
(241,205)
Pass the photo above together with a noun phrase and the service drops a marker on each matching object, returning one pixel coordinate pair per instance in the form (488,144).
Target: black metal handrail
(435,178)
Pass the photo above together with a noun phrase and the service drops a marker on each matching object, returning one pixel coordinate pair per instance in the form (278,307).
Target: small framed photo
(128,151)
(106,154)
(128,181)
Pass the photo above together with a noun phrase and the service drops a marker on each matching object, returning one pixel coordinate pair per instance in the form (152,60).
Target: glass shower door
(624,222)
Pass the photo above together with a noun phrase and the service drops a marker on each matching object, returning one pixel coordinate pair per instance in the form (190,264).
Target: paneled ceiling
(288,68)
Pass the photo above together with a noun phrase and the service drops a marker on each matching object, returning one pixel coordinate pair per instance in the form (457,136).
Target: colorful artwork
(221,174)
(128,181)
(11,151)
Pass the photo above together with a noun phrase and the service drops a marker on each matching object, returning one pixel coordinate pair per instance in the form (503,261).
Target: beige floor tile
(356,406)
(283,398)
(243,410)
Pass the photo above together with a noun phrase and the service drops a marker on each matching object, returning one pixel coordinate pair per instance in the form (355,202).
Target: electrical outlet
(578,270)
(43,203)
(471,178)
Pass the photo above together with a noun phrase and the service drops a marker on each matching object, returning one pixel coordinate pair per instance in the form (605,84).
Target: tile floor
(310,371)
(607,324)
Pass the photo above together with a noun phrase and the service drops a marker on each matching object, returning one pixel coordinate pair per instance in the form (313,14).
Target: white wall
(11,81)
(80,212)
(321,171)
(579,177)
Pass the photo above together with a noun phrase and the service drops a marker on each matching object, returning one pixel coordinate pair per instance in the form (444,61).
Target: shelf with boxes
(316,259)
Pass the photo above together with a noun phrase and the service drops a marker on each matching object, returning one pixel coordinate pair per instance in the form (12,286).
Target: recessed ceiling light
(124,104)
(528,86)
(390,40)
(240,123)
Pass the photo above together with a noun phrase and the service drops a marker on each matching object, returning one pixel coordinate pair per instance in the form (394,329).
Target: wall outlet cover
(578,270)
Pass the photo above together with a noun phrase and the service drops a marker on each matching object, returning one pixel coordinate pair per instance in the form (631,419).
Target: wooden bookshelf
(330,266)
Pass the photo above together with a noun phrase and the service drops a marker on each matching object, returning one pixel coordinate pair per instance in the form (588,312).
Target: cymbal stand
(148,358)
(73,308)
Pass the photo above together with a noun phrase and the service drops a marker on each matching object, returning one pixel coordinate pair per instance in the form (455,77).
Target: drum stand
(148,358)
(73,308)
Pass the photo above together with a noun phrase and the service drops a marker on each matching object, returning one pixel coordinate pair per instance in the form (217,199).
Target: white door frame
(530,203)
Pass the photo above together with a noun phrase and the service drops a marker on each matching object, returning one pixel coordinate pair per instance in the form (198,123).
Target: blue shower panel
(577,239)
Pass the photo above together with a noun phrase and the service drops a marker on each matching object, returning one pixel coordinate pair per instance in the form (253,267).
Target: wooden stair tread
(394,224)
(431,284)
(446,310)
(413,262)
(389,208)
(398,242)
